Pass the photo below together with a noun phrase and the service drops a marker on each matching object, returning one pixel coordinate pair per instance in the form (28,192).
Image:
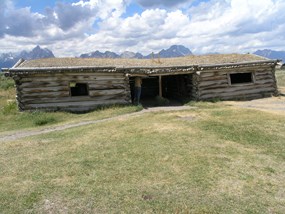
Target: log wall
(52,92)
(214,83)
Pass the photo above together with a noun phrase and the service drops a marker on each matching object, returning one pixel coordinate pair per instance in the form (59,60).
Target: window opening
(238,78)
(78,89)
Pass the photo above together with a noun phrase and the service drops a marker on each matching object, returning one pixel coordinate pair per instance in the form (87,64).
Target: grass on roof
(162,62)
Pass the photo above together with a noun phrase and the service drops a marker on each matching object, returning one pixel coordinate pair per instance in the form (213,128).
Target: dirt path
(274,105)
(22,134)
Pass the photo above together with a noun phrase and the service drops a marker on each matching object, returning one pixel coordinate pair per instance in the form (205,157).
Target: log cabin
(76,84)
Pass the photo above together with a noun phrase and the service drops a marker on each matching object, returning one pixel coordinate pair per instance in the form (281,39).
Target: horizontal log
(46,94)
(209,73)
(75,104)
(265,81)
(96,93)
(264,77)
(212,74)
(92,93)
(240,97)
(230,67)
(107,82)
(231,88)
(76,74)
(70,78)
(43,89)
(89,108)
(219,81)
(213,82)
(237,97)
(220,77)
(75,109)
(34,84)
(237,93)
(114,74)
(40,94)
(245,85)
(46,83)
(243,97)
(264,72)
(71,99)
(105,87)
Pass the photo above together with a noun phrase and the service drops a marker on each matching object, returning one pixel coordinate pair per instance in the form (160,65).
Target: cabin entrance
(175,89)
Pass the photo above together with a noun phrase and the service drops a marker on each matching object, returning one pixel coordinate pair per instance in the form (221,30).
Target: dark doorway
(175,88)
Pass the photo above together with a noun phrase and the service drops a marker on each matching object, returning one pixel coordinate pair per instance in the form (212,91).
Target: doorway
(177,89)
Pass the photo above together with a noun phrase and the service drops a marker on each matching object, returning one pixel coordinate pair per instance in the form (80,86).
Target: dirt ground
(271,104)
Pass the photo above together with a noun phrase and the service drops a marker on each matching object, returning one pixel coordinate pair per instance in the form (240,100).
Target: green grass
(5,83)
(13,120)
(213,159)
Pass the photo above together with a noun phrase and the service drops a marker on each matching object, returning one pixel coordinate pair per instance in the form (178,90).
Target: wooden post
(160,86)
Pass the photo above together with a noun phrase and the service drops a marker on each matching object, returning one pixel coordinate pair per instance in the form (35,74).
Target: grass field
(214,158)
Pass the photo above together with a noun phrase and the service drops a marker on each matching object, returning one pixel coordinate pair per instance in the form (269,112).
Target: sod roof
(143,63)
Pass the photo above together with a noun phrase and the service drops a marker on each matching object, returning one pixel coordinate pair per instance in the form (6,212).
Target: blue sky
(72,27)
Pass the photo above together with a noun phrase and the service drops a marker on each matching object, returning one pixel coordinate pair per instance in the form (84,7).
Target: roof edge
(239,63)
(16,69)
(60,68)
(20,61)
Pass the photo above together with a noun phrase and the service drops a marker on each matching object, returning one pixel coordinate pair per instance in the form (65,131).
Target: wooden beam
(171,73)
(137,75)
(160,86)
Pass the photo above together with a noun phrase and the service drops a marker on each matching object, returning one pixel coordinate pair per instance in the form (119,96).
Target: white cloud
(213,26)
(105,8)
(163,3)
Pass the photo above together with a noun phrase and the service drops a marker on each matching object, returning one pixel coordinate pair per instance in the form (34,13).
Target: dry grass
(280,76)
(164,62)
(227,160)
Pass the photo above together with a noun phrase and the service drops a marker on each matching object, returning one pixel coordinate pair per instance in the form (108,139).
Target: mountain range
(173,51)
(271,54)
(7,60)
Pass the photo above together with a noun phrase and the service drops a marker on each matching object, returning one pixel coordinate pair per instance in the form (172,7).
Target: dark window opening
(79,89)
(238,78)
